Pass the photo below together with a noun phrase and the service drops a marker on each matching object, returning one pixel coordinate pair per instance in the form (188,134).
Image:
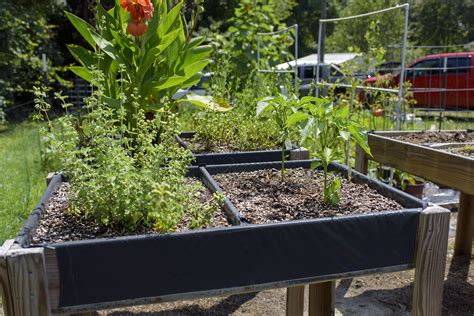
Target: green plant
(22,180)
(279,108)
(26,32)
(238,129)
(239,41)
(119,175)
(152,65)
(325,128)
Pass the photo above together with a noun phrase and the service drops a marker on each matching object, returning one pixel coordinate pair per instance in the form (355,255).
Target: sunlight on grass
(22,182)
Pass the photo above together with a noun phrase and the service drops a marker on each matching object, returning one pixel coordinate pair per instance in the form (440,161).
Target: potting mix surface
(262,197)
(58,225)
(201,146)
(433,137)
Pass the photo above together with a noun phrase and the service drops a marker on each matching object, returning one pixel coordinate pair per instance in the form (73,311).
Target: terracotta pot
(414,189)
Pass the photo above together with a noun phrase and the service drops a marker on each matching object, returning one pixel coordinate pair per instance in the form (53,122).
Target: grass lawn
(22,182)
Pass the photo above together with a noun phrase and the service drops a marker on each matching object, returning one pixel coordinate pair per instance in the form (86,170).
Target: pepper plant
(279,108)
(141,45)
(325,129)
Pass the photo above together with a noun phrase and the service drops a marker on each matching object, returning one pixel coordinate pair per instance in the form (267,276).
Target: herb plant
(325,129)
(119,176)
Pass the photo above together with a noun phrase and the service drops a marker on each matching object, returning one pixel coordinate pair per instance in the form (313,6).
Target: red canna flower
(136,29)
(139,10)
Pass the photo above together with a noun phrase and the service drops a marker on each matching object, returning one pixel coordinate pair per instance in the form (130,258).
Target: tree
(443,22)
(25,34)
(352,34)
(239,41)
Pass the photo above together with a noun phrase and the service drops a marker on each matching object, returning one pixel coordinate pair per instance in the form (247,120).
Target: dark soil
(201,146)
(466,151)
(57,225)
(262,197)
(431,137)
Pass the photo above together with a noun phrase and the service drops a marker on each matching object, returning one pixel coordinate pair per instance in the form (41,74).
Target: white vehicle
(199,88)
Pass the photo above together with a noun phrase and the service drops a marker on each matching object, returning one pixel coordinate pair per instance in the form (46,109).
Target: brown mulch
(431,137)
(263,197)
(59,225)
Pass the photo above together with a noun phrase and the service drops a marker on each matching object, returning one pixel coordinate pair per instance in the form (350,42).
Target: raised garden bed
(202,159)
(79,276)
(431,162)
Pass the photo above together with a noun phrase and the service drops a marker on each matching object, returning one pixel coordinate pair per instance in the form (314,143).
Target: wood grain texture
(361,160)
(451,170)
(322,299)
(52,275)
(295,301)
(464,225)
(299,154)
(26,272)
(430,262)
(7,299)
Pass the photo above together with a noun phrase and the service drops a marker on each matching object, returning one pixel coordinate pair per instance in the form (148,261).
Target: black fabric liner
(23,239)
(128,268)
(150,266)
(232,157)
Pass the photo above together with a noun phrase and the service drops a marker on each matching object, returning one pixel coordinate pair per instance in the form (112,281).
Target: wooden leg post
(430,261)
(299,154)
(7,298)
(22,272)
(361,160)
(295,300)
(322,299)
(464,226)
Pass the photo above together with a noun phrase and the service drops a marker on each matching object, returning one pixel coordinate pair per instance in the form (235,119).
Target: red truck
(444,81)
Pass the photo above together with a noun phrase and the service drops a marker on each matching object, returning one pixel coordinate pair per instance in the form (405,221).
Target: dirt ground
(387,294)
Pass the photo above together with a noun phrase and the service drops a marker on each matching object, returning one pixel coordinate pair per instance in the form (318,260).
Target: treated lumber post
(27,281)
(430,261)
(7,299)
(361,160)
(322,298)
(295,300)
(464,225)
(299,154)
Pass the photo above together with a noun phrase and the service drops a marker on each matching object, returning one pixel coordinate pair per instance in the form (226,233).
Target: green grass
(22,181)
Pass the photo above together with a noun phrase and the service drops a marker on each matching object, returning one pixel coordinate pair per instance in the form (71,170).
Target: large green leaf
(296,118)
(197,53)
(82,55)
(359,136)
(82,72)
(207,102)
(195,68)
(170,82)
(109,49)
(169,19)
(266,104)
(84,28)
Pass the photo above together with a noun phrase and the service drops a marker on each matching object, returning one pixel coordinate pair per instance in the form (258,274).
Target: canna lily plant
(144,50)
